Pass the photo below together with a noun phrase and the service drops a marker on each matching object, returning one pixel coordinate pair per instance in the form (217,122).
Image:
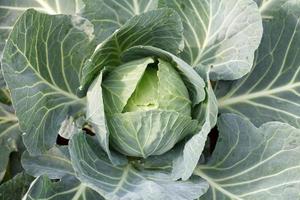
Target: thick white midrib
(8,117)
(5,132)
(6,27)
(122,180)
(18,8)
(46,6)
(77,9)
(224,102)
(148,5)
(261,177)
(269,188)
(30,187)
(81,189)
(265,5)
(213,184)
(58,6)
(136,7)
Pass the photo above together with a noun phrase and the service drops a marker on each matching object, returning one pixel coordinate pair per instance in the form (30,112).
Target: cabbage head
(140,97)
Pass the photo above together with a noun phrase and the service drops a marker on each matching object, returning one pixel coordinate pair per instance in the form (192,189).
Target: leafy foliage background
(255,157)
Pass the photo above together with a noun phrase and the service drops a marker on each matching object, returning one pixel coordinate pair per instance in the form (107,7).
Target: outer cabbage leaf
(160,28)
(109,15)
(41,65)
(67,188)
(253,163)
(267,7)
(10,136)
(219,34)
(94,169)
(15,188)
(10,10)
(54,163)
(271,91)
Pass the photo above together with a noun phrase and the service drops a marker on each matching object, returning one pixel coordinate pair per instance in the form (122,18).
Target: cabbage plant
(150,99)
